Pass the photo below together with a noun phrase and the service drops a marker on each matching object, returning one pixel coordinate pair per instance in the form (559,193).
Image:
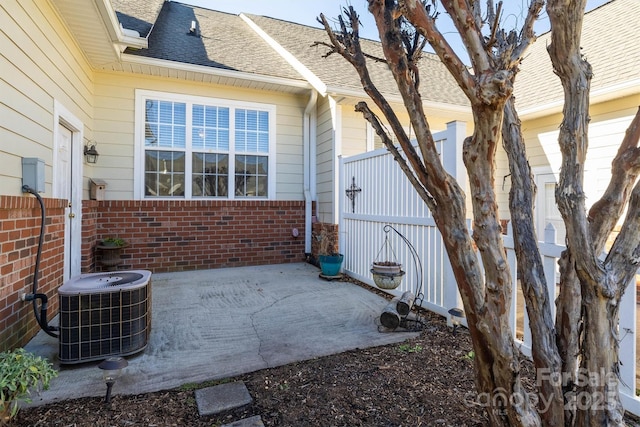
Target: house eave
(117,33)
(343,95)
(301,85)
(609,93)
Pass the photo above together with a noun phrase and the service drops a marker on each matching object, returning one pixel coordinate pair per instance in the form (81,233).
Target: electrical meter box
(33,173)
(97,188)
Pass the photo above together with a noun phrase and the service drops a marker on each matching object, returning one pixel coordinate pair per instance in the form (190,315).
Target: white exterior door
(67,185)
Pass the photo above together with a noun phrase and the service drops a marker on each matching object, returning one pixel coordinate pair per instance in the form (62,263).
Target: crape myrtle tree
(583,337)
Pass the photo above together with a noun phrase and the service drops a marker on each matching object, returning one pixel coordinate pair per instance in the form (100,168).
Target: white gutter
(120,36)
(309,159)
(336,119)
(239,75)
(308,75)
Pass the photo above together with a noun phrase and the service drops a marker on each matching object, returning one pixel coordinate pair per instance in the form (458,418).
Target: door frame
(73,249)
(540,202)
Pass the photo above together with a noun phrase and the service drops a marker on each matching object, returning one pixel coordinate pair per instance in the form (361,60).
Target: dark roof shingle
(222,41)
(139,15)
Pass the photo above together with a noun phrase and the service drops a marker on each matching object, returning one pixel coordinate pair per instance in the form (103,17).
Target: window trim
(139,118)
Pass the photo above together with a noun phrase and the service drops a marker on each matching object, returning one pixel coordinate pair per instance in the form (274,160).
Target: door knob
(72,215)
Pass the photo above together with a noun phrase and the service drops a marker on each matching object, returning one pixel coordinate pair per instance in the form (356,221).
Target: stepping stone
(222,397)
(254,421)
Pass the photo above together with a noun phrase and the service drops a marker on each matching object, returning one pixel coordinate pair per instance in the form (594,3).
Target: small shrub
(406,348)
(21,371)
(114,241)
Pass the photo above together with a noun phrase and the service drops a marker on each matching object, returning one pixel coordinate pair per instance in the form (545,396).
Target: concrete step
(254,421)
(222,397)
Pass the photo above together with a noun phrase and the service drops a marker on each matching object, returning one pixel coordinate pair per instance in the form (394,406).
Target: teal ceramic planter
(331,264)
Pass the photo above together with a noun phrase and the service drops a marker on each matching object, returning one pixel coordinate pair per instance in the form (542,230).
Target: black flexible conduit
(41,317)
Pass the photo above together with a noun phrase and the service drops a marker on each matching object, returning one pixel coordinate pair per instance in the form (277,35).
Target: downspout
(309,154)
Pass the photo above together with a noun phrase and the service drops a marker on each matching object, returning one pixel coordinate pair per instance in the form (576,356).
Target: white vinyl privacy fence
(381,194)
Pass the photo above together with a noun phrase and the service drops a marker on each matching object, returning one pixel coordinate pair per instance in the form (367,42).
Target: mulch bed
(426,381)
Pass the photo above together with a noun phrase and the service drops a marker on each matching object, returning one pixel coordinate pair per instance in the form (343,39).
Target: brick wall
(19,232)
(189,235)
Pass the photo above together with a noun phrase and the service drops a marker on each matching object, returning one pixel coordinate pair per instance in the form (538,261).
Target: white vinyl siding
(116,129)
(41,64)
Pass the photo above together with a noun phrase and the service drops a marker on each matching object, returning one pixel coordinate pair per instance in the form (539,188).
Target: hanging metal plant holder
(387,272)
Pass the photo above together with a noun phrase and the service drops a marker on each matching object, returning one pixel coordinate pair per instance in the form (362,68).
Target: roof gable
(436,83)
(609,43)
(220,40)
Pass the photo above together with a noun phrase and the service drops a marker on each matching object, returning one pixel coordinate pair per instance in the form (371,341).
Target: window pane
(251,176)
(166,136)
(210,128)
(166,112)
(263,142)
(252,131)
(263,121)
(252,120)
(252,142)
(198,115)
(179,113)
(164,173)
(150,134)
(223,140)
(241,140)
(165,124)
(212,117)
(179,137)
(151,110)
(210,175)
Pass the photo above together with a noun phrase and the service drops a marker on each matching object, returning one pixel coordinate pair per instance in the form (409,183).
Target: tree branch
(527,35)
(470,32)
(363,108)
(624,256)
(417,14)
(625,168)
(348,46)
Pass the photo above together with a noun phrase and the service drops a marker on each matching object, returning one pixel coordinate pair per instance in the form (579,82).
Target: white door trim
(73,249)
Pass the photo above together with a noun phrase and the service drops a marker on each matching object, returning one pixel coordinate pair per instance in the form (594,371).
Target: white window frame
(139,169)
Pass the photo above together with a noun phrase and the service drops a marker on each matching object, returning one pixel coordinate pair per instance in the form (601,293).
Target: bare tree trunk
(596,398)
(501,369)
(531,273)
(568,327)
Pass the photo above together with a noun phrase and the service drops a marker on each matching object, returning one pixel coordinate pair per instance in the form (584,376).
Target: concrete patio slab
(215,324)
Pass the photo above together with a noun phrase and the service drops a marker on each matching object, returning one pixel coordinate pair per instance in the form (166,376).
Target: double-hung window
(193,147)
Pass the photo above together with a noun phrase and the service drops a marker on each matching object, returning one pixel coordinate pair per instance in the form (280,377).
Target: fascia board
(154,62)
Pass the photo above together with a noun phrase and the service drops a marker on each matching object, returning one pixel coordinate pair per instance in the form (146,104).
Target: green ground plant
(20,373)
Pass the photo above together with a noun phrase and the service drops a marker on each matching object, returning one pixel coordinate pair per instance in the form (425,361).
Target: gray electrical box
(97,188)
(33,173)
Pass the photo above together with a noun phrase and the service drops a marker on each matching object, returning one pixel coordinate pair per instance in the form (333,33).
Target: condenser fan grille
(111,320)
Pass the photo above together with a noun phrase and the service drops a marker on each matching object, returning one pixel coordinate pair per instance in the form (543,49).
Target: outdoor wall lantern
(111,371)
(90,152)
(457,314)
